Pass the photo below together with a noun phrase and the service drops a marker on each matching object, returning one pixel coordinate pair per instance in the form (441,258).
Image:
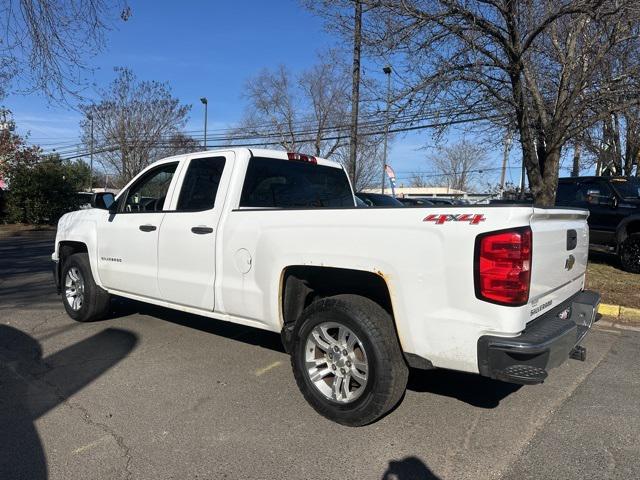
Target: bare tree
(45,44)
(179,143)
(419,180)
(309,112)
(133,122)
(461,165)
(544,66)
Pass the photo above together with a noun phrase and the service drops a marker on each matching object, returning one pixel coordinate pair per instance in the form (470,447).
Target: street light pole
(91,153)
(206,104)
(387,72)
(355,93)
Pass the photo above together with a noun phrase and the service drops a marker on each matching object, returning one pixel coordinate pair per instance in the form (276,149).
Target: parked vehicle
(614,213)
(274,240)
(448,201)
(83,199)
(414,202)
(360,203)
(378,200)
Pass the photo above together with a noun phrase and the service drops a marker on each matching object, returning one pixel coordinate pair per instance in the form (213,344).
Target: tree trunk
(543,184)
(617,144)
(632,148)
(546,195)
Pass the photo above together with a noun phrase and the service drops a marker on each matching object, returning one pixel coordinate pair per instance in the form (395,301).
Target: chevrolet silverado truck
(274,240)
(614,214)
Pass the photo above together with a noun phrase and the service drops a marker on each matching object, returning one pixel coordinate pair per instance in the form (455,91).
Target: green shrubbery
(39,188)
(40,193)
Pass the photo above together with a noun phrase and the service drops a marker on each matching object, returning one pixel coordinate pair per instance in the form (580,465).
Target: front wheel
(630,253)
(347,360)
(83,300)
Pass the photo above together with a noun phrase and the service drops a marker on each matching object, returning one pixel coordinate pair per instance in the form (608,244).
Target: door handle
(201,230)
(147,228)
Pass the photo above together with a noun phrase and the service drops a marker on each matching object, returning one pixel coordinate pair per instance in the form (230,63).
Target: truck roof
(257,152)
(589,177)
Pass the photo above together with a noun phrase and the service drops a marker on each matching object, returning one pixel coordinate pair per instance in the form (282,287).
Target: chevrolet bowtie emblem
(569,262)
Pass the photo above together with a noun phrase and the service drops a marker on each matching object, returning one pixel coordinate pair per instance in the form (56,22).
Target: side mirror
(103,201)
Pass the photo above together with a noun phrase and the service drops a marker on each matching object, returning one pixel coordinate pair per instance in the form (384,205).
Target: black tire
(387,369)
(95,304)
(630,253)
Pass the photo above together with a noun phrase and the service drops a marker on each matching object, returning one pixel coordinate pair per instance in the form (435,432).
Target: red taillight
(301,157)
(503,266)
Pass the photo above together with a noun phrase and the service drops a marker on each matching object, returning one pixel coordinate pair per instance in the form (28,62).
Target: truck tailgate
(560,252)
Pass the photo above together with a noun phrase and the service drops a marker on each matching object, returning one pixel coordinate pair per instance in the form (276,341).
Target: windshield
(627,187)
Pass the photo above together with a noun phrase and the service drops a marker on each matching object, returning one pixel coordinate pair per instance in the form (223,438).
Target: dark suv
(614,220)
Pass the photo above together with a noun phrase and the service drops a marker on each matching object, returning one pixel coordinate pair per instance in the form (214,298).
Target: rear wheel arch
(627,227)
(301,285)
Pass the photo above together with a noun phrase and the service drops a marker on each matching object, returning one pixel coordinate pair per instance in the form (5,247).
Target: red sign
(439,219)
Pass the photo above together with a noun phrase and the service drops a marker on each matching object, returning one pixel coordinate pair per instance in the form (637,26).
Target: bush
(41,193)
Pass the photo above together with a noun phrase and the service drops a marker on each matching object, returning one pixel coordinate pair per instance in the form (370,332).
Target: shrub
(41,193)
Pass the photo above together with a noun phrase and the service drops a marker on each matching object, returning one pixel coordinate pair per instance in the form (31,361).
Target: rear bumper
(546,342)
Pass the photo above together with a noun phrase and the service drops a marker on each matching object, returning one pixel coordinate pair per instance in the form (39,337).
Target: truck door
(598,198)
(128,240)
(187,242)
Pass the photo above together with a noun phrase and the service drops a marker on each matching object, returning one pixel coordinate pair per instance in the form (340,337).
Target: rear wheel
(347,360)
(630,253)
(83,300)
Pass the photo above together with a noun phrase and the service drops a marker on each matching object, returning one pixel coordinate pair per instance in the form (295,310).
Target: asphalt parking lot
(158,394)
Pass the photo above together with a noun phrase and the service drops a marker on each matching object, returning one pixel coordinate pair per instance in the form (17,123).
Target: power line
(230,142)
(279,131)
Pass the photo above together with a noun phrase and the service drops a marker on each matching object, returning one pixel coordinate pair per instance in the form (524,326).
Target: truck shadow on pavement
(262,338)
(470,388)
(31,386)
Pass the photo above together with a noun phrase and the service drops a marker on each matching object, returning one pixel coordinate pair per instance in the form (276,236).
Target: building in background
(423,192)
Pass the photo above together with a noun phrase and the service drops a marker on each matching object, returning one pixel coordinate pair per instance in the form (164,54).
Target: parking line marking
(90,445)
(262,371)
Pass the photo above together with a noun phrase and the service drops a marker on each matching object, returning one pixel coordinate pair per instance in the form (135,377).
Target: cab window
(200,184)
(272,183)
(149,193)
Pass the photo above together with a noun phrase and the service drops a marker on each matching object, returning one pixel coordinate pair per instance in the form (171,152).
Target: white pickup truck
(275,241)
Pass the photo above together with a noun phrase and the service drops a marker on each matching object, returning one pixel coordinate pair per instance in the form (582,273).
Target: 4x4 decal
(439,219)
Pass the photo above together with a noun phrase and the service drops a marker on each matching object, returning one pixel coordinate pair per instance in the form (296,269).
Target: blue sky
(210,48)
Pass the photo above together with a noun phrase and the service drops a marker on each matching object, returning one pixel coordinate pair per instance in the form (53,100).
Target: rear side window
(200,184)
(272,183)
(595,193)
(566,194)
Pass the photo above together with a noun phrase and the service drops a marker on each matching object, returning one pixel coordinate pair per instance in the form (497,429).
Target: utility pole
(522,179)
(387,72)
(505,158)
(206,104)
(355,90)
(575,171)
(91,153)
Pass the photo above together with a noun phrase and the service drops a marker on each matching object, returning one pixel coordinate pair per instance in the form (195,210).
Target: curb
(621,314)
